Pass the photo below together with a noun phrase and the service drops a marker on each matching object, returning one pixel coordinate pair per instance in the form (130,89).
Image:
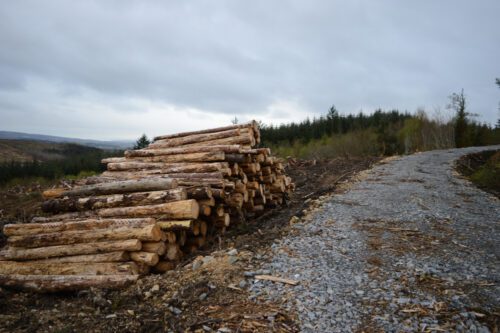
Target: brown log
(173,252)
(147,233)
(163,266)
(199,241)
(185,209)
(196,228)
(203,228)
(113,160)
(238,158)
(101,257)
(181,237)
(150,151)
(154,247)
(175,225)
(215,183)
(75,216)
(235,200)
(116,187)
(195,138)
(14,253)
(146,258)
(252,124)
(199,193)
(55,283)
(211,156)
(207,202)
(219,210)
(205,210)
(171,237)
(223,221)
(218,193)
(115,200)
(68,268)
(44,228)
(168,167)
(245,139)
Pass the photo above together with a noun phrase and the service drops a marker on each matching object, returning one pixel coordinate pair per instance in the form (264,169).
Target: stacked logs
(146,211)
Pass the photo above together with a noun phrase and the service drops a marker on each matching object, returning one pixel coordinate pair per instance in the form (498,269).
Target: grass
(488,175)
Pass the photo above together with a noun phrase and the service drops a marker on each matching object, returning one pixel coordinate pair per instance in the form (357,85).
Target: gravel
(411,247)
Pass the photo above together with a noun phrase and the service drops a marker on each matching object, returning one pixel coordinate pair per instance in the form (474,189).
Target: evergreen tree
(142,142)
(458,104)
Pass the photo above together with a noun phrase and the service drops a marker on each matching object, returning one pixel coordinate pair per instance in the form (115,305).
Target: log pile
(149,209)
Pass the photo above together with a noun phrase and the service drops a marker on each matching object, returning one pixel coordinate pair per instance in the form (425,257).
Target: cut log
(14,253)
(55,283)
(114,200)
(210,156)
(173,252)
(203,228)
(185,209)
(117,256)
(150,151)
(68,268)
(199,193)
(195,138)
(181,237)
(44,228)
(252,125)
(154,247)
(175,225)
(148,233)
(168,167)
(205,210)
(222,221)
(116,187)
(146,258)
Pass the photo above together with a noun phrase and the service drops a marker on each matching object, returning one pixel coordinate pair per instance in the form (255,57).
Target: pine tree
(458,104)
(142,142)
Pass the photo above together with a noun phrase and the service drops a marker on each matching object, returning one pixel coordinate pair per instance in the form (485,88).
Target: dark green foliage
(458,105)
(142,142)
(76,159)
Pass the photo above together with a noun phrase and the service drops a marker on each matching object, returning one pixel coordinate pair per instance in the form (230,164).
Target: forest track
(410,247)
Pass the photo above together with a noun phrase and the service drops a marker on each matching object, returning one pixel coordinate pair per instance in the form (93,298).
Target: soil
(205,292)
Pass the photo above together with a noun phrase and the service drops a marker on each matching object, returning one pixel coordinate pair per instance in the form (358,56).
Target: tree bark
(252,124)
(55,283)
(154,247)
(147,233)
(116,187)
(149,151)
(146,258)
(44,228)
(117,256)
(185,209)
(175,225)
(195,138)
(13,253)
(114,200)
(68,268)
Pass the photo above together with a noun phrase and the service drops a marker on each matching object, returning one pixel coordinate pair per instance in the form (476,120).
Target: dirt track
(410,247)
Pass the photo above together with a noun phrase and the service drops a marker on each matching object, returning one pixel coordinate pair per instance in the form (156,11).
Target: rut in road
(411,247)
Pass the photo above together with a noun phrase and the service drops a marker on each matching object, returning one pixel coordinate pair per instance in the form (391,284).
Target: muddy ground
(206,292)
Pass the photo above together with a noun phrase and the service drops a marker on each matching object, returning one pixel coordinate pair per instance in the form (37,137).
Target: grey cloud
(238,58)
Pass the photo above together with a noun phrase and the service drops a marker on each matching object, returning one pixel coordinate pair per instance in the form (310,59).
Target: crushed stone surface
(410,247)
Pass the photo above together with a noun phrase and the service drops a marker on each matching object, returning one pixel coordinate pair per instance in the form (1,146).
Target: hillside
(28,151)
(112,145)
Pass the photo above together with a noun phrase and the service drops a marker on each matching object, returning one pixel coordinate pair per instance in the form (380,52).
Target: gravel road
(410,247)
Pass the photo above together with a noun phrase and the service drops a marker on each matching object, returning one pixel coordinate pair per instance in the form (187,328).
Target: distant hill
(108,145)
(28,150)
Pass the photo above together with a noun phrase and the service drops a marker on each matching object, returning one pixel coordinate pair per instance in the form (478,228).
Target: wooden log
(207,202)
(151,151)
(185,209)
(235,200)
(196,228)
(181,237)
(219,210)
(252,124)
(199,241)
(244,139)
(56,283)
(147,233)
(205,210)
(75,216)
(204,175)
(68,268)
(218,193)
(146,258)
(199,193)
(214,183)
(222,221)
(168,167)
(203,228)
(171,237)
(195,138)
(238,158)
(113,160)
(44,228)
(163,266)
(154,247)
(125,186)
(15,253)
(210,156)
(115,200)
(173,252)
(175,225)
(117,256)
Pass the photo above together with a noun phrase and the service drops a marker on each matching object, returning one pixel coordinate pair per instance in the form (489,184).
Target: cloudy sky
(109,69)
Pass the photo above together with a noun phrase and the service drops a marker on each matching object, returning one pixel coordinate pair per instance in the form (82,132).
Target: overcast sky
(115,69)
